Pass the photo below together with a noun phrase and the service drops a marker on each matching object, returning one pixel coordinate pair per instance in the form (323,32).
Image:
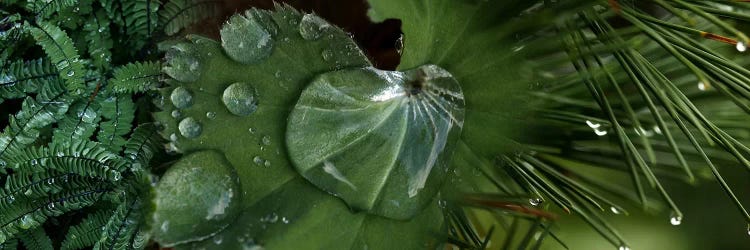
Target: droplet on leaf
(249,38)
(183,63)
(181,98)
(190,128)
(240,99)
(312,27)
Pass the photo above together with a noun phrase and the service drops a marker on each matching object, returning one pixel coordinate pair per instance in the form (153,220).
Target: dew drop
(240,99)
(176,113)
(266,140)
(190,128)
(258,161)
(741,47)
(251,130)
(442,204)
(33,162)
(173,137)
(535,201)
(181,98)
(327,55)
(210,115)
(26,222)
(675,220)
(284,220)
(183,63)
(249,38)
(312,27)
(71,73)
(702,86)
(270,218)
(623,247)
(615,210)
(267,163)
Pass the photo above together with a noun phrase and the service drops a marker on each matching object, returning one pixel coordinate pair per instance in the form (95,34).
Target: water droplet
(741,47)
(181,98)
(71,73)
(267,163)
(26,222)
(535,201)
(211,115)
(51,205)
(597,127)
(33,162)
(284,220)
(400,44)
(176,113)
(312,27)
(702,86)
(50,181)
(748,228)
(623,247)
(11,199)
(327,55)
(240,99)
(270,218)
(266,140)
(615,210)
(218,239)
(675,220)
(277,74)
(258,161)
(251,130)
(190,128)
(249,38)
(183,63)
(173,137)
(442,204)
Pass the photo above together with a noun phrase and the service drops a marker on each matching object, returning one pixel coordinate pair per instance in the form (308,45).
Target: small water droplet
(176,113)
(327,55)
(266,140)
(190,128)
(535,201)
(33,162)
(71,73)
(277,74)
(26,222)
(251,130)
(181,98)
(614,210)
(284,220)
(249,38)
(50,181)
(741,47)
(442,204)
(675,220)
(258,161)
(51,205)
(267,163)
(211,115)
(173,137)
(312,27)
(623,247)
(702,86)
(270,218)
(240,99)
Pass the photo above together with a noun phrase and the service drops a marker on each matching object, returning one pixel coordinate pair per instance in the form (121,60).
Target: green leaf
(99,38)
(390,141)
(86,233)
(179,14)
(60,49)
(122,226)
(118,112)
(136,77)
(22,77)
(280,209)
(36,239)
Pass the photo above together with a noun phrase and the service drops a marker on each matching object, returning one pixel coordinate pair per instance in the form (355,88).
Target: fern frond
(36,185)
(86,233)
(136,77)
(141,17)
(22,77)
(45,8)
(118,112)
(23,129)
(10,36)
(99,39)
(60,49)
(84,158)
(122,227)
(36,239)
(26,213)
(11,244)
(143,144)
(178,14)
(80,122)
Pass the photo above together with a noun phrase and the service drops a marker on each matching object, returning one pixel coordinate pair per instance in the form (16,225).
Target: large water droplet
(312,27)
(181,98)
(249,38)
(183,63)
(190,128)
(71,73)
(240,99)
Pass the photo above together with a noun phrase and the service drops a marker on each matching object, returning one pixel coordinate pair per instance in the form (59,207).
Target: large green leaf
(381,140)
(240,109)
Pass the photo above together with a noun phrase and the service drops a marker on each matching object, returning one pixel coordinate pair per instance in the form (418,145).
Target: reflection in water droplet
(442,204)
(702,86)
(190,128)
(741,47)
(284,220)
(251,130)
(597,127)
(240,99)
(181,98)
(312,27)
(270,218)
(249,38)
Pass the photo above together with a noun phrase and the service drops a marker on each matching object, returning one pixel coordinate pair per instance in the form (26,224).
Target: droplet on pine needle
(741,47)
